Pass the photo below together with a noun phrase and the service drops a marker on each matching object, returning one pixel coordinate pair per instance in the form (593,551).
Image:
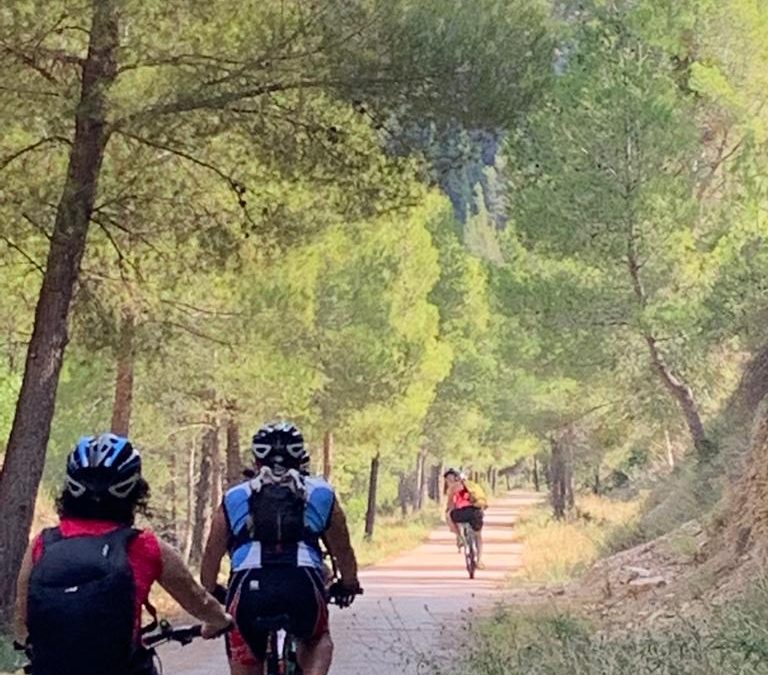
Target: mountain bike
(469,541)
(146,661)
(282,646)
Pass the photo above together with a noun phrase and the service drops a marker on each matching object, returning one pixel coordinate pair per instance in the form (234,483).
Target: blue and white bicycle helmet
(280,445)
(103,465)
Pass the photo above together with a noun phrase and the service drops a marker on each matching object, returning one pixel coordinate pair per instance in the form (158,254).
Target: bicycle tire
(272,662)
(470,551)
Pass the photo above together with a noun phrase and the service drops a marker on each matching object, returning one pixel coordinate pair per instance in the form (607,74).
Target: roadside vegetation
(557,550)
(729,639)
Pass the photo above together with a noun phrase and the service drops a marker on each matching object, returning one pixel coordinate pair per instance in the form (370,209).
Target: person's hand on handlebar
(343,593)
(211,631)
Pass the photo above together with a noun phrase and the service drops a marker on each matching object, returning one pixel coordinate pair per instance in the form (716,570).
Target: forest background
(428,232)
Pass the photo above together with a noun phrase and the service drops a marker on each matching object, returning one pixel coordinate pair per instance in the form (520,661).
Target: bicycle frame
(281,654)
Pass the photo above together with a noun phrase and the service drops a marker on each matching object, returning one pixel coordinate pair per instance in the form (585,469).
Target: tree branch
(29,148)
(12,245)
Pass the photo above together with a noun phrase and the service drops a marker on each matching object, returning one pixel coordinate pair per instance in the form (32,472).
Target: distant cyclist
(83,583)
(462,506)
(271,526)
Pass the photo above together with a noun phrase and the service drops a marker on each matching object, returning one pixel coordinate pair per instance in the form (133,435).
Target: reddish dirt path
(411,606)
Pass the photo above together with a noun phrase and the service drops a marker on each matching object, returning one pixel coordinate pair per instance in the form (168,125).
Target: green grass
(393,535)
(728,639)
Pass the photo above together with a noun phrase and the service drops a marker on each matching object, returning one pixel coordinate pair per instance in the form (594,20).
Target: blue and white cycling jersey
(319,500)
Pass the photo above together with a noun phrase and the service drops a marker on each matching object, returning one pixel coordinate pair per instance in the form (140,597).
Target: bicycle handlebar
(167,633)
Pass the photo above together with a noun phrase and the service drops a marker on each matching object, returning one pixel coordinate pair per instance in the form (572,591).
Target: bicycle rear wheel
(470,550)
(273,663)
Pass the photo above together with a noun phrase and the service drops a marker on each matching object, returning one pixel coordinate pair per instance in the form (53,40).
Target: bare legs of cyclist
(238,669)
(315,656)
(314,659)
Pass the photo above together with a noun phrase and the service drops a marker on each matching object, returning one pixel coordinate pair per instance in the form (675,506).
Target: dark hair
(107,507)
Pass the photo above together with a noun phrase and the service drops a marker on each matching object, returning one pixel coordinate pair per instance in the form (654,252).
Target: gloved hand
(343,594)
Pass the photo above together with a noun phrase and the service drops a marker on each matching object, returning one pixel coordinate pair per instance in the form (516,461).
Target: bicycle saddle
(269,623)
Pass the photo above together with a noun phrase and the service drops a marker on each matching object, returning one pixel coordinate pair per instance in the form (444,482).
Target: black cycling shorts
(468,514)
(296,592)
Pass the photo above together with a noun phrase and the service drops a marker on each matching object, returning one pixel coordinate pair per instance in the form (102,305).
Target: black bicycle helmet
(101,466)
(452,472)
(280,445)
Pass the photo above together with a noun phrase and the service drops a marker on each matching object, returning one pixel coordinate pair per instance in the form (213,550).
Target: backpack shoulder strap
(48,537)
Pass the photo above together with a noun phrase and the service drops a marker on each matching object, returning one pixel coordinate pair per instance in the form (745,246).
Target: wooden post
(370,516)
(328,455)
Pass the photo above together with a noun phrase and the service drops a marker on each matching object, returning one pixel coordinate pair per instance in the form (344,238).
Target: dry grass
(554,551)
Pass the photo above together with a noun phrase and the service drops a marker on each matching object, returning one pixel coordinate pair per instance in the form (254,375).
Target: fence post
(370,516)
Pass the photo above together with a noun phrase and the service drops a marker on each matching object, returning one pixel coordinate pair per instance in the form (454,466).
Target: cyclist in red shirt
(460,508)
(83,584)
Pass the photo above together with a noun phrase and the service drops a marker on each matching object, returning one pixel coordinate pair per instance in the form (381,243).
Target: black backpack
(81,605)
(276,516)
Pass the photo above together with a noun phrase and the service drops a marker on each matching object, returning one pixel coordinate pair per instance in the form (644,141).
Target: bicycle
(147,662)
(469,541)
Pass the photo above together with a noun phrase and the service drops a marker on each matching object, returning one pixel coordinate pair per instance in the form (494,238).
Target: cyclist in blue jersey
(271,527)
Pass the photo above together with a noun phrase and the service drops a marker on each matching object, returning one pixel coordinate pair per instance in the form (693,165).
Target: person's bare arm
(215,550)
(179,582)
(22,589)
(340,546)
(449,493)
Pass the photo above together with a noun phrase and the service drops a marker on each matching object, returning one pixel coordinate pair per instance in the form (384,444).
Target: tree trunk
(370,515)
(234,459)
(190,524)
(402,494)
(328,455)
(217,475)
(25,452)
(438,484)
(676,386)
(174,498)
(421,461)
(596,482)
(560,477)
(203,491)
(685,399)
(493,480)
(536,484)
(121,410)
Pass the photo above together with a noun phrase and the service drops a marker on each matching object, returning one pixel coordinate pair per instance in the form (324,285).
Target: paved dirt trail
(411,606)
